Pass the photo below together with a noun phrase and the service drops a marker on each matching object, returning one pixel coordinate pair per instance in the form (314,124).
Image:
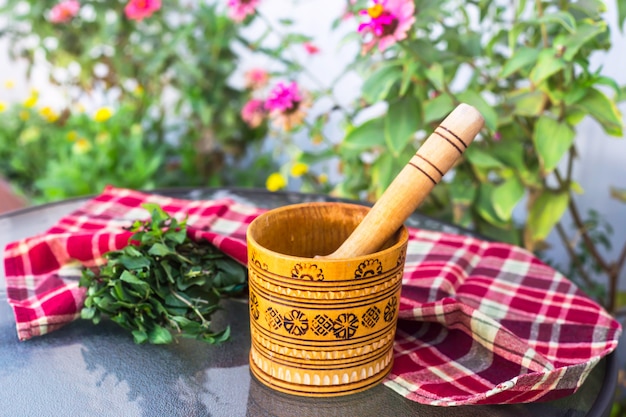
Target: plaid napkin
(480,322)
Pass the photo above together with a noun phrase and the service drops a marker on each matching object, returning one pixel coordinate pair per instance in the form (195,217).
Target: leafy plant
(162,283)
(168,74)
(527,67)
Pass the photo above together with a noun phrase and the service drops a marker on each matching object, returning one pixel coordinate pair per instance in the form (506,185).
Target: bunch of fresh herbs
(162,283)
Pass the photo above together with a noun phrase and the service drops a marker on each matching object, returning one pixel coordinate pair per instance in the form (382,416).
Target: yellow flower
(9,84)
(103,114)
(31,101)
(275,182)
(24,115)
(49,114)
(81,146)
(322,178)
(299,169)
(3,106)
(72,136)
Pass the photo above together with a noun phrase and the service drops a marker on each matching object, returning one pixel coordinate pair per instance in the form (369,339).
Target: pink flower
(256,78)
(389,21)
(253,113)
(283,97)
(140,9)
(310,48)
(287,105)
(64,11)
(240,9)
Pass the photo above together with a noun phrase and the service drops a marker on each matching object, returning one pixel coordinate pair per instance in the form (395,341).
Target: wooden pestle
(411,186)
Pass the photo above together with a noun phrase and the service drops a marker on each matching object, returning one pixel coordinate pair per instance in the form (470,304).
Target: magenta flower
(389,21)
(240,9)
(284,98)
(140,9)
(287,105)
(64,11)
(310,48)
(256,78)
(253,112)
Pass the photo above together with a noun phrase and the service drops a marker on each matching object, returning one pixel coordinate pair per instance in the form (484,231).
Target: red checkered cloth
(480,322)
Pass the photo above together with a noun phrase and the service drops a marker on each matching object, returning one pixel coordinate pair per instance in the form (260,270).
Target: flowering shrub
(103,54)
(527,70)
(47,155)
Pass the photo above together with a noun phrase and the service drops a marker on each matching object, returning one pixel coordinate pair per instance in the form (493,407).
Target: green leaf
(484,205)
(156,212)
(481,158)
(524,57)
(564,19)
(141,286)
(545,213)
(486,110)
(531,104)
(140,336)
(88,313)
(573,42)
(159,336)
(119,292)
(506,196)
(552,140)
(177,236)
(548,63)
(159,249)
(577,188)
(437,108)
(434,73)
(621,14)
(408,72)
(618,194)
(510,152)
(134,262)
(383,172)
(402,120)
(603,110)
(377,86)
(370,134)
(515,32)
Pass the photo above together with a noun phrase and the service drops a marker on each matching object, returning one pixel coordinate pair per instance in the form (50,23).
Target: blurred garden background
(332,97)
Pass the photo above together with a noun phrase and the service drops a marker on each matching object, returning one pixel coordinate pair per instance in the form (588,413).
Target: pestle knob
(425,169)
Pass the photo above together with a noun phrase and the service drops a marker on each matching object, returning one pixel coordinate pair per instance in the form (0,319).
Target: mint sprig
(162,284)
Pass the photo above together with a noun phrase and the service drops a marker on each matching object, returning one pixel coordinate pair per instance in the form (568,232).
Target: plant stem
(191,306)
(544,30)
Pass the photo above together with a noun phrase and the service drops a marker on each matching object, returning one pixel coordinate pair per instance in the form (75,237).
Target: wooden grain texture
(433,159)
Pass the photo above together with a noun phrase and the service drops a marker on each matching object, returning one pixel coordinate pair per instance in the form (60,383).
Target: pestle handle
(425,169)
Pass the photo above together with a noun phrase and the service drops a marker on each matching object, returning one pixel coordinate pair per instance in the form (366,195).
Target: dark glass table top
(88,370)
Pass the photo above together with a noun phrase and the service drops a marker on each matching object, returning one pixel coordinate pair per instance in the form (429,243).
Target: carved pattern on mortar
(323,378)
(368,268)
(306,271)
(254,260)
(337,354)
(344,326)
(324,294)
